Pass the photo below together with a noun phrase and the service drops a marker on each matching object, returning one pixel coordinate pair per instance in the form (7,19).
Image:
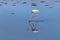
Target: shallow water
(14,26)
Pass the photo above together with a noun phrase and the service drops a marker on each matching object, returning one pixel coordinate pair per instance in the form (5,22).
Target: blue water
(15,26)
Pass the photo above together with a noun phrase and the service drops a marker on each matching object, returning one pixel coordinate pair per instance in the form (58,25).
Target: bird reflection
(50,7)
(36,20)
(24,2)
(33,23)
(14,4)
(12,13)
(35,30)
(0,4)
(6,3)
(42,1)
(34,4)
(33,27)
(46,5)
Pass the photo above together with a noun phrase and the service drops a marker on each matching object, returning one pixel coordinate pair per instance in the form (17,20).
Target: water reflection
(24,2)
(50,7)
(42,1)
(46,5)
(14,4)
(6,3)
(12,13)
(36,20)
(0,4)
(57,1)
(35,30)
(33,27)
(33,23)
(34,4)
